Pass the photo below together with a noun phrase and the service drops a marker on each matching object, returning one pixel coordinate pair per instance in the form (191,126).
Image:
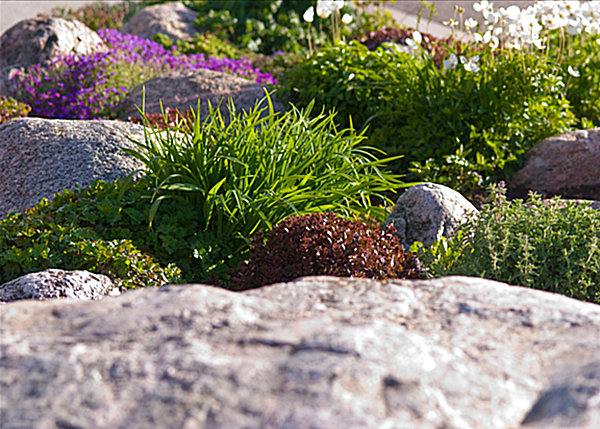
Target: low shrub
(30,242)
(259,167)
(324,244)
(11,109)
(552,245)
(99,15)
(494,107)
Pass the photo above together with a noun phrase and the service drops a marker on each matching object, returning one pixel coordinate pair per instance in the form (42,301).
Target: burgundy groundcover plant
(95,85)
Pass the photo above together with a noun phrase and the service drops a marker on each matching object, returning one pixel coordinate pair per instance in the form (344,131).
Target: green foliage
(324,244)
(206,44)
(120,210)
(581,72)
(259,25)
(99,15)
(33,241)
(414,109)
(552,245)
(247,174)
(11,109)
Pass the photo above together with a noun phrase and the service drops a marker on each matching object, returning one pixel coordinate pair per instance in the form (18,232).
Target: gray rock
(53,283)
(319,352)
(182,90)
(427,212)
(567,165)
(173,19)
(41,41)
(40,157)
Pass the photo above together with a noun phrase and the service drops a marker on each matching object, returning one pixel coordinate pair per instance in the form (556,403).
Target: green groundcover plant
(552,245)
(38,240)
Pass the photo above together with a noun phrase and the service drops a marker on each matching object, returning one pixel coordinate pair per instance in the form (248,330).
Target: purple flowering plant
(96,85)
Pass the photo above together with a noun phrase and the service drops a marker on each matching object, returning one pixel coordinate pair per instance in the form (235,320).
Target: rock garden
(298,214)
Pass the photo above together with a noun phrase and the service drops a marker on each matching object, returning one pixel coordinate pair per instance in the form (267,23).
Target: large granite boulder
(40,157)
(173,19)
(41,41)
(427,212)
(319,352)
(53,283)
(567,165)
(182,90)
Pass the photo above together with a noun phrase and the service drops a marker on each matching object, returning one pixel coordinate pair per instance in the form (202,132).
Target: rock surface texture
(319,352)
(567,165)
(40,41)
(182,90)
(40,157)
(53,283)
(173,19)
(426,212)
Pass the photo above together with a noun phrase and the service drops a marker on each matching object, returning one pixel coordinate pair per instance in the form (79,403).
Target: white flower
(410,43)
(471,63)
(451,62)
(324,8)
(573,71)
(347,19)
(485,7)
(470,23)
(309,15)
(337,4)
(416,36)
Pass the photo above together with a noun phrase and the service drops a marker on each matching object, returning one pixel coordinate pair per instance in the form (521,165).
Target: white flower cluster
(519,28)
(324,9)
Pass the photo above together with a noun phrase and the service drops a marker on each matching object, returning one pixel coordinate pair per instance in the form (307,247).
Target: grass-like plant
(552,245)
(249,171)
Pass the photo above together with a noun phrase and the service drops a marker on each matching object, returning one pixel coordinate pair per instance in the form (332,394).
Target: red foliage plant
(324,244)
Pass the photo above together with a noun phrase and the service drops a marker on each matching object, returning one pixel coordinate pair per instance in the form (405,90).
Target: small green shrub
(99,15)
(324,244)
(32,242)
(414,109)
(552,245)
(260,167)
(11,109)
(206,44)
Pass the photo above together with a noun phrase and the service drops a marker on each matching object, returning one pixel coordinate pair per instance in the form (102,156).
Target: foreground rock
(173,19)
(53,283)
(41,41)
(427,212)
(319,352)
(567,165)
(182,90)
(40,157)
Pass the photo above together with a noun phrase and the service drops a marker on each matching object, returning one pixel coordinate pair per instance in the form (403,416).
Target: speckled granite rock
(426,212)
(182,90)
(173,19)
(567,165)
(318,352)
(53,283)
(40,157)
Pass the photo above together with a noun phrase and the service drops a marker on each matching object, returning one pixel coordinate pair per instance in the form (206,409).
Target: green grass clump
(552,245)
